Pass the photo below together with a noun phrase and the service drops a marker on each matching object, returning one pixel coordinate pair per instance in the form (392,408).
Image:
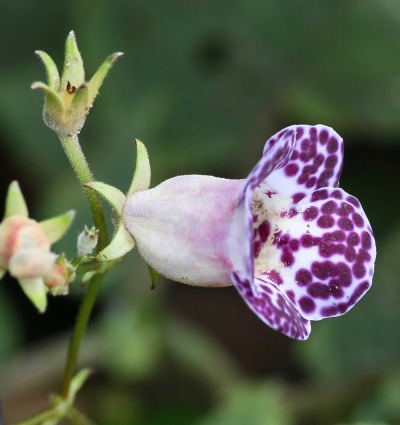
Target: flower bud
(25,248)
(62,273)
(69,98)
(87,241)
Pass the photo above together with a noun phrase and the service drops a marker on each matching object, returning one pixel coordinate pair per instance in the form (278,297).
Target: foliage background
(203,83)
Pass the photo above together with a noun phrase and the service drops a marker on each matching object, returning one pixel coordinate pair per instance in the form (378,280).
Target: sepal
(15,202)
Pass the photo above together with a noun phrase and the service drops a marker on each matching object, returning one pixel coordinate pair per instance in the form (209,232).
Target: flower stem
(78,161)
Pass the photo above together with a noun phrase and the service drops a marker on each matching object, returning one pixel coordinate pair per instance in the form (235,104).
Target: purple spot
(345,224)
(331,161)
(275,277)
(353,201)
(363,256)
(310,213)
(344,274)
(313,134)
(294,245)
(333,145)
(345,209)
(358,220)
(335,290)
(323,270)
(257,248)
(329,207)
(318,290)
(302,179)
(307,304)
(291,169)
(323,137)
(326,221)
(366,240)
(295,155)
(299,132)
(291,296)
(350,254)
(264,231)
(297,197)
(353,239)
(337,194)
(287,257)
(329,311)
(311,182)
(304,145)
(303,277)
(310,169)
(358,270)
(308,241)
(318,160)
(319,195)
(327,250)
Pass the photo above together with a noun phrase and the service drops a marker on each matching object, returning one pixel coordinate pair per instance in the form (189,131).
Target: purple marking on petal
(307,304)
(333,256)
(274,307)
(310,213)
(316,153)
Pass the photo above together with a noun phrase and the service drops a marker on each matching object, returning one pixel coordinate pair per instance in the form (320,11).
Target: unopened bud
(60,276)
(87,241)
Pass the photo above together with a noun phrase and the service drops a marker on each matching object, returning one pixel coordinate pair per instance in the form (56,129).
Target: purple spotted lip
(310,249)
(296,247)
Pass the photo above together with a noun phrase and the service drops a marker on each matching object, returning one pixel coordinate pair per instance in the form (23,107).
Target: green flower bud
(69,98)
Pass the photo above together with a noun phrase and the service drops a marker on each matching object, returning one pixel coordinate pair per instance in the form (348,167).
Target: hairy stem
(78,161)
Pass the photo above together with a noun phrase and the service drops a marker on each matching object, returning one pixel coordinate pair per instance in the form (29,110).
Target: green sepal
(56,227)
(110,193)
(78,108)
(15,202)
(97,80)
(142,175)
(53,78)
(77,383)
(36,291)
(73,72)
(155,277)
(122,242)
(54,109)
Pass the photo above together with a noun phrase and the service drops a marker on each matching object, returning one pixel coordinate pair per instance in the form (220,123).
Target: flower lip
(319,252)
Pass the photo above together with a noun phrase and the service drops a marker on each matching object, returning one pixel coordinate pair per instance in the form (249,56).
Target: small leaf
(121,244)
(110,193)
(56,227)
(15,202)
(53,78)
(97,80)
(142,175)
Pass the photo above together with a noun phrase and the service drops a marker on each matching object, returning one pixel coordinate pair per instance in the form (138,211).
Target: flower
(69,98)
(25,246)
(295,246)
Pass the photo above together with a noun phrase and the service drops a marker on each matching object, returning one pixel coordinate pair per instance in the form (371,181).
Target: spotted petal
(321,256)
(276,154)
(273,308)
(315,162)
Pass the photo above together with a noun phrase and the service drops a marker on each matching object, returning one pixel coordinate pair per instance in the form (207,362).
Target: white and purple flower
(296,247)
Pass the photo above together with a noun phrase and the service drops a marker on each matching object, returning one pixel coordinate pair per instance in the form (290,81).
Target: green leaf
(141,177)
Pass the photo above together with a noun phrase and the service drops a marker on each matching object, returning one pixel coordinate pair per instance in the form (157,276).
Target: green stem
(38,419)
(78,161)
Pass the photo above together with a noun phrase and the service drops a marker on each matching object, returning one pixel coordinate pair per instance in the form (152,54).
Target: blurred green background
(204,83)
